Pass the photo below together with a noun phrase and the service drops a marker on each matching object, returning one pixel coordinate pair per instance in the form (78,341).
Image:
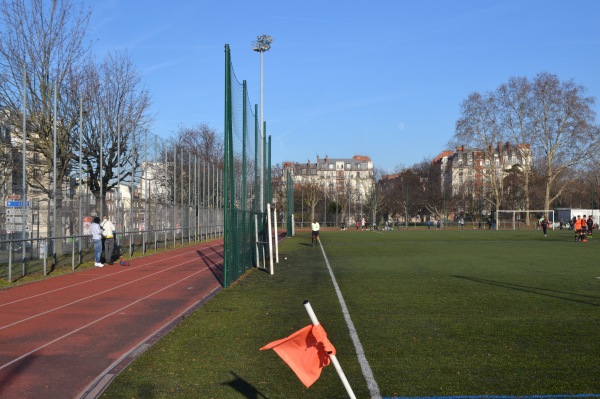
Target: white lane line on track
(101,277)
(98,293)
(97,320)
(362,358)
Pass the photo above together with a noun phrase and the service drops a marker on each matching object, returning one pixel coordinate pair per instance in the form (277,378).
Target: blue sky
(379,78)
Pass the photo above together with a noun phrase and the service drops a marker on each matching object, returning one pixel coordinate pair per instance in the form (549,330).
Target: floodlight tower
(262,44)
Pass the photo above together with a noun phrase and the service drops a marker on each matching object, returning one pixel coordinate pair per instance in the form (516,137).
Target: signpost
(16,204)
(14,214)
(16,227)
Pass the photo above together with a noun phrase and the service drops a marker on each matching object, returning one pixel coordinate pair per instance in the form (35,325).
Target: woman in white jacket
(97,239)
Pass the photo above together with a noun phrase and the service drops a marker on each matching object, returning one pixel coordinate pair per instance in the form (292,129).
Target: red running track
(68,336)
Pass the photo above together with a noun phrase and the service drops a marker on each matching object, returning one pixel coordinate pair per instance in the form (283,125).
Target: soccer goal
(513,219)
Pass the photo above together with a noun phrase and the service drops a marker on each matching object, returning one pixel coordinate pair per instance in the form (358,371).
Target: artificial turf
(437,312)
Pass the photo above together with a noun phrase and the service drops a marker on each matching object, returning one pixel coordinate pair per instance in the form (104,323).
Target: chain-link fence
(168,196)
(245,235)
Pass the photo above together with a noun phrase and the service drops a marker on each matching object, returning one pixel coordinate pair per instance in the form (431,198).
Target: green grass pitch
(438,314)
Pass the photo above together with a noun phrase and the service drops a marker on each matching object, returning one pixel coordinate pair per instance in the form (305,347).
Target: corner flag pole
(334,361)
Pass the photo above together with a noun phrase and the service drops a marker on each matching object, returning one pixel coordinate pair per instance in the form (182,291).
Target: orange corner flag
(306,351)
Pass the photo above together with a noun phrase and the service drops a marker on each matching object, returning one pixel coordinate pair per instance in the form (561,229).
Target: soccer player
(583,228)
(544,224)
(590,226)
(577,227)
(315,231)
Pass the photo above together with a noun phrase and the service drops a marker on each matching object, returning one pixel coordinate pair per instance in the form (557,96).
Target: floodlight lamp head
(262,43)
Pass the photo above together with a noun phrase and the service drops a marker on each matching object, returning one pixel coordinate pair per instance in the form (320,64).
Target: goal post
(513,219)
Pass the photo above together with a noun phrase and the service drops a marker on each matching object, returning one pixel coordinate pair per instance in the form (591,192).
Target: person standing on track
(97,239)
(109,239)
(315,231)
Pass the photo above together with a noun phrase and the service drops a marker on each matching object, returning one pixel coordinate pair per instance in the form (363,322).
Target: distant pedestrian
(97,239)
(109,239)
(461,223)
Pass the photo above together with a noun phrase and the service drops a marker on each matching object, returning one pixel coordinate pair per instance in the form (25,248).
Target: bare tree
(549,120)
(391,188)
(202,145)
(117,107)
(311,193)
(7,166)
(472,201)
(427,191)
(279,184)
(515,104)
(43,39)
(376,197)
(203,141)
(410,193)
(515,193)
(479,127)
(563,131)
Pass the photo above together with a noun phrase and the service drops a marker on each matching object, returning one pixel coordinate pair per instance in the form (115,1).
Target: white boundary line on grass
(362,359)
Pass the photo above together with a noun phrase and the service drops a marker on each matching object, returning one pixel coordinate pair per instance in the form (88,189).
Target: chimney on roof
(326,158)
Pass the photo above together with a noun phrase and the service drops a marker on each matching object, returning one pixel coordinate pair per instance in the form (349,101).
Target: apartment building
(335,175)
(467,170)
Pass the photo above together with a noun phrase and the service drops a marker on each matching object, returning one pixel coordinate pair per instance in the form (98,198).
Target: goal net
(517,219)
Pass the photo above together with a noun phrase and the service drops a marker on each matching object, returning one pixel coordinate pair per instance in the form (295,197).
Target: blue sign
(16,204)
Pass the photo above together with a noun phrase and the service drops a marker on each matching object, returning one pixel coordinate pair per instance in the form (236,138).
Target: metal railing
(35,254)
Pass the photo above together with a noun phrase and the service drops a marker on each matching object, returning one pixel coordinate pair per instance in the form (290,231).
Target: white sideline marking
(362,359)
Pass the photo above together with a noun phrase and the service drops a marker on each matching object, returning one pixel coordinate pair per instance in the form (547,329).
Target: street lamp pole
(25,215)
(594,196)
(80,191)
(325,205)
(262,44)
